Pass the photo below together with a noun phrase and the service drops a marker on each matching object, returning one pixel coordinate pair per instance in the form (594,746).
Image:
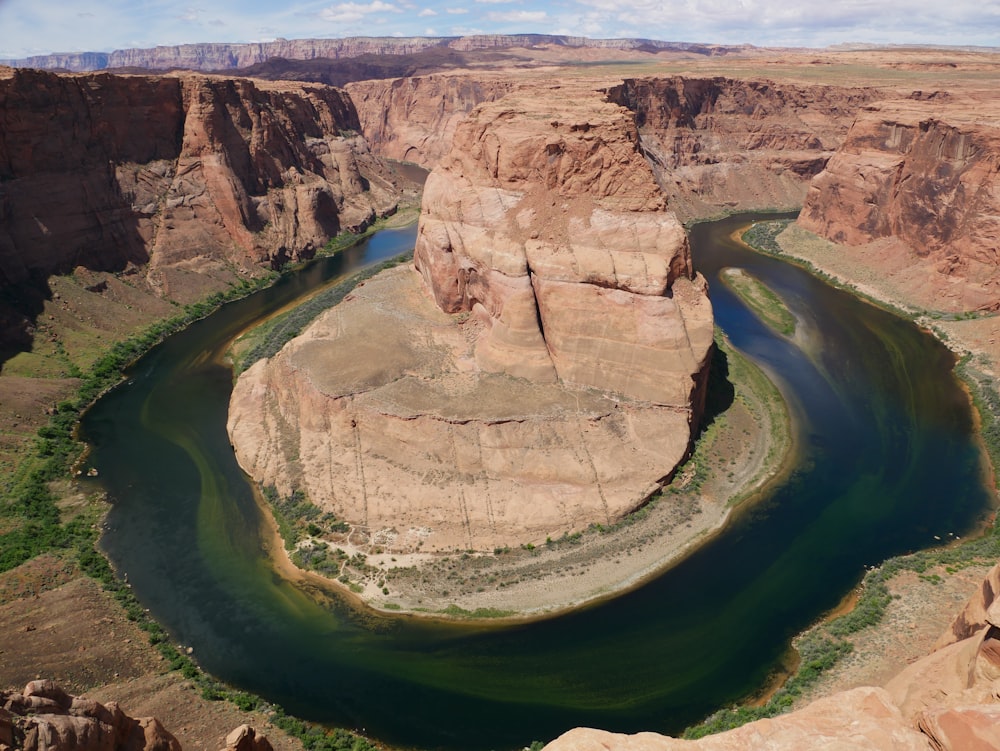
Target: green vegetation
(31,522)
(761,300)
(456,612)
(267,339)
(764,235)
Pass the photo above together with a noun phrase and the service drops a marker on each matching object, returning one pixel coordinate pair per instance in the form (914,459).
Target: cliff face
(919,173)
(551,229)
(719,143)
(414,119)
(187,182)
(553,380)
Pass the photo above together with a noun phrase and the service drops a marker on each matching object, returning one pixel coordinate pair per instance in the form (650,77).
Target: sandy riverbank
(747,445)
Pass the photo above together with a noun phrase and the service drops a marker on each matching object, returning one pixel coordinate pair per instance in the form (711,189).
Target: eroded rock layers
(922,173)
(542,371)
(721,143)
(183,178)
(414,119)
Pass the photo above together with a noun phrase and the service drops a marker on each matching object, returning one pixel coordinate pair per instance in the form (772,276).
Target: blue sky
(36,27)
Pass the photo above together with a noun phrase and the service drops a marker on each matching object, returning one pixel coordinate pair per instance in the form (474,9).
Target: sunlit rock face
(918,176)
(541,370)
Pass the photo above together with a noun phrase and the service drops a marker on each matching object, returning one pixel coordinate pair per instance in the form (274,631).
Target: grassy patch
(456,612)
(31,522)
(761,300)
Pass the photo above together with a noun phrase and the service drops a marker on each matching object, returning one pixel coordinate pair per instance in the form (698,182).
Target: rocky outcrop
(218,57)
(947,701)
(246,738)
(414,119)
(553,380)
(549,228)
(188,183)
(43,717)
(862,719)
(920,173)
(720,143)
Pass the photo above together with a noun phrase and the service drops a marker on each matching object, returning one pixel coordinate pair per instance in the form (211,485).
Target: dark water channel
(888,462)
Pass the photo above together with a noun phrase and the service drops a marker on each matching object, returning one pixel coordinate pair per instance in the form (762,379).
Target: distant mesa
(229,57)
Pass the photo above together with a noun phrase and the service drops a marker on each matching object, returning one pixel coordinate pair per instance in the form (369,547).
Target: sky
(30,27)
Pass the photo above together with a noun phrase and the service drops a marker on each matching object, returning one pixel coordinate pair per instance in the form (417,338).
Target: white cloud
(456,11)
(354,12)
(519,16)
(426,12)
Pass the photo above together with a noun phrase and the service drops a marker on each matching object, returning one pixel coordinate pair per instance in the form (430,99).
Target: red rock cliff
(922,173)
(414,119)
(175,176)
(718,143)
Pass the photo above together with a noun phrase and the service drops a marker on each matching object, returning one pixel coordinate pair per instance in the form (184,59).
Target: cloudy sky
(30,27)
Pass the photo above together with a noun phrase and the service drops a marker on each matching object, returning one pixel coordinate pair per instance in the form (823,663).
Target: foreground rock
(947,701)
(43,717)
(556,380)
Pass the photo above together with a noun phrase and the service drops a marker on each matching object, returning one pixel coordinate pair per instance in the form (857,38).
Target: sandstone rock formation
(43,717)
(246,738)
(188,183)
(554,384)
(947,701)
(719,143)
(414,119)
(921,175)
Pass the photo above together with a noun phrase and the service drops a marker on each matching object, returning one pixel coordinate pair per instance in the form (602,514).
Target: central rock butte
(543,370)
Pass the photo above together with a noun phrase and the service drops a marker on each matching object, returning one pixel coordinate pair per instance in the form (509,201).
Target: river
(888,461)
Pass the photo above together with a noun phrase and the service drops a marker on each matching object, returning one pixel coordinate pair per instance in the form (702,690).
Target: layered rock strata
(721,143)
(414,119)
(542,372)
(176,175)
(919,177)
(947,701)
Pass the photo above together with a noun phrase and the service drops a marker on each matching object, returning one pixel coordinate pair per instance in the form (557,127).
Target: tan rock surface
(551,230)
(862,719)
(403,434)
(562,388)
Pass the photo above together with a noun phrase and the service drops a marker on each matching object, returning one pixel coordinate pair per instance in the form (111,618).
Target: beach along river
(888,461)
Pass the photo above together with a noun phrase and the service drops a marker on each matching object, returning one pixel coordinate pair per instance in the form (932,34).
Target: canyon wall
(721,144)
(414,119)
(543,371)
(185,183)
(919,177)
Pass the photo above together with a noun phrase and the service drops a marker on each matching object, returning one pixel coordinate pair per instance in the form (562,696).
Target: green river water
(889,460)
